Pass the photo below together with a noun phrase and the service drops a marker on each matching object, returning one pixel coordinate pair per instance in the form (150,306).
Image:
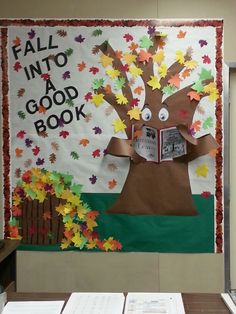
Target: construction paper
(76,97)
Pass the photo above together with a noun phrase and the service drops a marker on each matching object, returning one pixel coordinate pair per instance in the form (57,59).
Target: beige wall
(131,271)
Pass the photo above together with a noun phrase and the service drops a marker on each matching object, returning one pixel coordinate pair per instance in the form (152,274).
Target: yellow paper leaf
(210,88)
(129,58)
(191,64)
(162,70)
(77,240)
(179,56)
(41,195)
(97,99)
(134,113)
(119,125)
(91,245)
(105,60)
(67,209)
(81,212)
(74,200)
(16,199)
(121,99)
(66,194)
(112,73)
(158,57)
(91,224)
(69,224)
(135,71)
(108,245)
(65,243)
(213,96)
(154,82)
(202,170)
(60,209)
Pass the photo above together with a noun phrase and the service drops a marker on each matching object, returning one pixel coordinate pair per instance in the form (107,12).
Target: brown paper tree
(151,188)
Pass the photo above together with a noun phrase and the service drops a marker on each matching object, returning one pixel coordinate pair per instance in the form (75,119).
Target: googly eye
(146,114)
(163,114)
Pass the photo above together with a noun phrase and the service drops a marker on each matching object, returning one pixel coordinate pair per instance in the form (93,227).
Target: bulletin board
(113,134)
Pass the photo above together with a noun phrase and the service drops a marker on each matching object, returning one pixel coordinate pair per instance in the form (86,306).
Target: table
(8,264)
(194,303)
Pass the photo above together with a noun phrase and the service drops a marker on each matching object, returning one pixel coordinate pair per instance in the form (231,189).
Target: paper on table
(229,302)
(95,303)
(149,303)
(33,307)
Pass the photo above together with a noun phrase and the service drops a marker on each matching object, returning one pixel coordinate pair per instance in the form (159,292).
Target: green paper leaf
(208,123)
(97,83)
(205,74)
(169,90)
(13,222)
(145,42)
(58,189)
(119,83)
(70,102)
(74,155)
(31,193)
(69,52)
(83,242)
(97,32)
(76,188)
(198,86)
(67,178)
(55,177)
(21,115)
(66,218)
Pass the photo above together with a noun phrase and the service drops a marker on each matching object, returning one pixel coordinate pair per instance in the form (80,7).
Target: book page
(146,144)
(149,303)
(172,144)
(95,303)
(33,307)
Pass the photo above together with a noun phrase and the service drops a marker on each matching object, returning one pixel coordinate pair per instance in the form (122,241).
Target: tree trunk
(156,189)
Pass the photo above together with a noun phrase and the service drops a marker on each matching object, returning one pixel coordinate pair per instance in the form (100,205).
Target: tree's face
(173,111)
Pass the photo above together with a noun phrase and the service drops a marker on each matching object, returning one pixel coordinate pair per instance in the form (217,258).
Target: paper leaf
(202,170)
(169,90)
(121,99)
(112,184)
(206,59)
(145,42)
(214,96)
(97,99)
(119,125)
(135,71)
(113,73)
(119,83)
(162,70)
(134,113)
(191,64)
(208,123)
(97,83)
(138,90)
(196,125)
(198,86)
(194,95)
(76,188)
(84,142)
(129,58)
(175,80)
(18,152)
(158,57)
(205,74)
(144,56)
(181,34)
(186,73)
(179,57)
(105,60)
(154,82)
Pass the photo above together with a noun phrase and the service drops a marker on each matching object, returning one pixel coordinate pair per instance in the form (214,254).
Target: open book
(159,145)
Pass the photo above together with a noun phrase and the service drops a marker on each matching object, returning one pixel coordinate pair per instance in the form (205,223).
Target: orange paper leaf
(81,66)
(17,41)
(118,54)
(133,46)
(181,34)
(138,90)
(175,80)
(186,73)
(42,109)
(144,56)
(194,95)
(107,89)
(84,142)
(112,184)
(18,152)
